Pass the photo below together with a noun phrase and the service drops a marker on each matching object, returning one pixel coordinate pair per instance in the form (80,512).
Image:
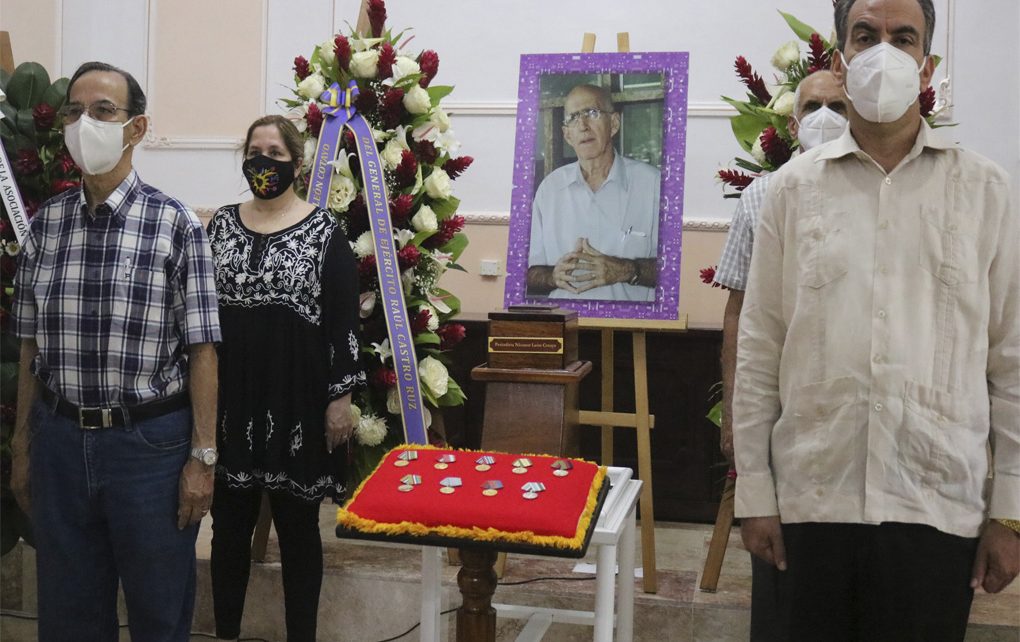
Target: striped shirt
(735,262)
(114,297)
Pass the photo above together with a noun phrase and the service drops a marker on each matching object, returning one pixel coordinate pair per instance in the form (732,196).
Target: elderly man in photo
(595,222)
(114,446)
(819,116)
(879,358)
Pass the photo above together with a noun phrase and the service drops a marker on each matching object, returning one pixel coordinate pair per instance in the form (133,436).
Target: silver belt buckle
(105,413)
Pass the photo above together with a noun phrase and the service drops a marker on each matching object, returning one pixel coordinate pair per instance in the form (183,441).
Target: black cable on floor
(416,625)
(547,579)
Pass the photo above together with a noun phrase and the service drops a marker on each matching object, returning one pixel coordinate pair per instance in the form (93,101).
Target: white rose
(365,64)
(403,236)
(392,153)
(309,154)
(327,52)
(783,105)
(786,56)
(433,317)
(407,280)
(437,185)
(371,430)
(393,401)
(434,375)
(312,86)
(440,119)
(341,192)
(296,115)
(757,153)
(363,246)
(428,416)
(425,220)
(417,100)
(405,67)
(366,304)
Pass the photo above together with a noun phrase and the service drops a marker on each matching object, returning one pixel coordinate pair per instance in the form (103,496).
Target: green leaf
(747,129)
(802,30)
(715,414)
(456,266)
(25,123)
(456,245)
(25,88)
(451,301)
(748,165)
(426,338)
(56,93)
(446,207)
(454,395)
(421,236)
(438,92)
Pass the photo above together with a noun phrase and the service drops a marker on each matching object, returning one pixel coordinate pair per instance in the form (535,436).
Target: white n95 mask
(818,127)
(882,82)
(95,145)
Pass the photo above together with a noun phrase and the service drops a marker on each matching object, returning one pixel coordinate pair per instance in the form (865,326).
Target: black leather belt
(97,418)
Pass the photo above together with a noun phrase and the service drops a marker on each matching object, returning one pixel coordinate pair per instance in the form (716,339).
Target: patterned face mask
(267,177)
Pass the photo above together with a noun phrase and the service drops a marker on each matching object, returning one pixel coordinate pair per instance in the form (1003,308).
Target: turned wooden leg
(476,619)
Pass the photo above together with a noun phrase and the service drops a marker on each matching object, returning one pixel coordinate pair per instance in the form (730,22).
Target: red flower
(391,108)
(450,335)
(65,163)
(387,56)
(708,277)
(447,229)
(408,257)
(301,68)
(366,272)
(314,119)
(456,166)
(366,101)
(428,62)
(818,57)
(376,16)
(31,206)
(44,116)
(420,323)
(27,162)
(342,49)
(927,98)
(734,178)
(384,377)
(62,185)
(427,152)
(400,207)
(407,171)
(348,140)
(776,149)
(752,80)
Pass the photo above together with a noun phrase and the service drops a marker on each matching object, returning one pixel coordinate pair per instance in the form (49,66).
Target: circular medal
(442,466)
(490,492)
(446,490)
(519,470)
(405,488)
(401,463)
(530,495)
(482,467)
(561,473)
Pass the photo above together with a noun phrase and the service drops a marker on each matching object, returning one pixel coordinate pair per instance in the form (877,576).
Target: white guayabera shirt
(879,347)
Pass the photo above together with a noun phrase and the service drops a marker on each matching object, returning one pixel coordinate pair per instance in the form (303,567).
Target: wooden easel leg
(644,448)
(720,538)
(476,619)
(608,372)
(261,537)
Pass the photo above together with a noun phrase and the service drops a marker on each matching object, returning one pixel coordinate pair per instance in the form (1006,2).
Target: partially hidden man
(114,447)
(878,361)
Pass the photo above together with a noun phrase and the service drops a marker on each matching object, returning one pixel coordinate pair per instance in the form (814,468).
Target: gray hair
(842,13)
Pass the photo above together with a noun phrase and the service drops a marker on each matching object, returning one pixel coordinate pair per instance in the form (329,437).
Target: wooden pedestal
(532,411)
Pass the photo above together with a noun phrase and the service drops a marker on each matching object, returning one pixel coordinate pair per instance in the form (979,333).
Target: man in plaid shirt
(114,446)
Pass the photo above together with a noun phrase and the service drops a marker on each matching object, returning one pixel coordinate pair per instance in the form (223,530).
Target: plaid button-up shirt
(114,297)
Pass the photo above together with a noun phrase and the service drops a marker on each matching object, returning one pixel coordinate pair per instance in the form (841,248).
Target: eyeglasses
(100,110)
(592,114)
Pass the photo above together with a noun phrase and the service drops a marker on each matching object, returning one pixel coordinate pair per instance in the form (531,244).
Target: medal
(484,462)
(449,485)
(521,465)
(532,489)
(492,487)
(405,458)
(408,482)
(562,467)
(443,461)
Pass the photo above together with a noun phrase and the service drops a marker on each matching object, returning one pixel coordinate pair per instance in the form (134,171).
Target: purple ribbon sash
(405,361)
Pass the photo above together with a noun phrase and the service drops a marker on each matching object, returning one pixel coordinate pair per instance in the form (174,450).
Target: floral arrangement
(42,168)
(419,150)
(760,124)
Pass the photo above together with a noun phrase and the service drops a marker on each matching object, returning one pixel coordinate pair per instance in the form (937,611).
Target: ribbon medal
(492,487)
(443,462)
(562,467)
(484,462)
(405,458)
(450,484)
(408,482)
(521,465)
(532,489)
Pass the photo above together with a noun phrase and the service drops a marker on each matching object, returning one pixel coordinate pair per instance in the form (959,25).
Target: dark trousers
(235,513)
(764,577)
(890,582)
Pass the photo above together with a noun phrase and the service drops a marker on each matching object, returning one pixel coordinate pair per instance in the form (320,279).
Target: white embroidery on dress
(247,431)
(280,481)
(269,426)
(348,383)
(223,428)
(352,343)
(288,273)
(296,440)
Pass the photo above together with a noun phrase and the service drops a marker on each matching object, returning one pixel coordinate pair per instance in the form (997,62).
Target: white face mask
(882,82)
(818,127)
(94,144)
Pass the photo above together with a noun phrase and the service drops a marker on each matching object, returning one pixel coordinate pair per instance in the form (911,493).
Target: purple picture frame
(674,68)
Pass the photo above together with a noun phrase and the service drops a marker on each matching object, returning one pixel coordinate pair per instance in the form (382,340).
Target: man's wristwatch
(1011,524)
(207,456)
(637,273)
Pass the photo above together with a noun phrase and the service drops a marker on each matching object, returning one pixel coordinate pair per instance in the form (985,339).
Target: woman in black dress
(288,294)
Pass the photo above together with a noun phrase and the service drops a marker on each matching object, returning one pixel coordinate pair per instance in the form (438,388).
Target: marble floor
(370,593)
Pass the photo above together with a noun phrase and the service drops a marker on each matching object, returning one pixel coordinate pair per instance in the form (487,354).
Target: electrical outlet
(489,267)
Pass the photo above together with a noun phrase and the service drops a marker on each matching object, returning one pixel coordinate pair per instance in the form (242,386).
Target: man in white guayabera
(595,222)
(878,360)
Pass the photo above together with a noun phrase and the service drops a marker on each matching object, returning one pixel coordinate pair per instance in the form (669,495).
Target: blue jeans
(104,507)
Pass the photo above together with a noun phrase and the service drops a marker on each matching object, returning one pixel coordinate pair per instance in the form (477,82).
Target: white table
(613,539)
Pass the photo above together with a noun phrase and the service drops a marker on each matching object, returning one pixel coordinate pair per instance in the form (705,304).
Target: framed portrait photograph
(597,211)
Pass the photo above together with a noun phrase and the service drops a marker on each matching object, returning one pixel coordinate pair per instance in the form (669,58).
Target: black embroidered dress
(289,316)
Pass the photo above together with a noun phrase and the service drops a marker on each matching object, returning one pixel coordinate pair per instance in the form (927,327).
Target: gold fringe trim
(345,517)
